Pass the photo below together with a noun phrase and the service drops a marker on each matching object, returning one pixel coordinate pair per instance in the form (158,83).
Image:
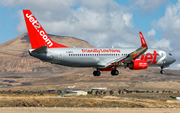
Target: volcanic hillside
(21,62)
(45,76)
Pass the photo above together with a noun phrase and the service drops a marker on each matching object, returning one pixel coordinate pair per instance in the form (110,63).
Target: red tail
(37,35)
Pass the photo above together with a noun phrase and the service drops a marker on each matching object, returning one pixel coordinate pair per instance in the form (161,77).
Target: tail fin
(37,35)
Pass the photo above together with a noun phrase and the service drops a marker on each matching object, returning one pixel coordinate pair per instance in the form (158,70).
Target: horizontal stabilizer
(17,50)
(42,49)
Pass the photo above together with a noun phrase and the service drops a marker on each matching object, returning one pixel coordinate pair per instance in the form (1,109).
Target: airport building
(77,93)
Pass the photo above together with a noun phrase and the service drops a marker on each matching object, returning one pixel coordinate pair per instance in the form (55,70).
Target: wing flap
(114,61)
(135,54)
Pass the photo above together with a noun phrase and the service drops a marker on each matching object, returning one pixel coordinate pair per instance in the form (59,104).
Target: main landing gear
(162,71)
(97,73)
(114,72)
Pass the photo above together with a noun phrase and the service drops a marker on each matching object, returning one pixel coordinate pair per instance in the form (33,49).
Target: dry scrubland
(88,101)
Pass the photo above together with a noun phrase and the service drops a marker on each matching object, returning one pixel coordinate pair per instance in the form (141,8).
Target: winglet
(143,42)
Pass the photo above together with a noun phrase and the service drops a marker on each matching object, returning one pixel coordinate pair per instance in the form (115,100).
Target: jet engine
(138,65)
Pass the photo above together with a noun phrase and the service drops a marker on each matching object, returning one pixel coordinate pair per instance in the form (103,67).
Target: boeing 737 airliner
(102,59)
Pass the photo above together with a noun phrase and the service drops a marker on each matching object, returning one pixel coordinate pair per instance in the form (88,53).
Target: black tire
(98,73)
(116,72)
(162,72)
(95,73)
(112,73)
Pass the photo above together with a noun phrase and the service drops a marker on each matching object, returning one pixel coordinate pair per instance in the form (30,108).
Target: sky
(102,23)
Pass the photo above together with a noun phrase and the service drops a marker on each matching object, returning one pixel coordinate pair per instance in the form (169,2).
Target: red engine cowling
(138,65)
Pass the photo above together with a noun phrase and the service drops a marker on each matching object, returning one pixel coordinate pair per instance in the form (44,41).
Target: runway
(85,110)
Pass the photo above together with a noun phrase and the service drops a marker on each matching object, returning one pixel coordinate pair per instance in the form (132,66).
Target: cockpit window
(170,54)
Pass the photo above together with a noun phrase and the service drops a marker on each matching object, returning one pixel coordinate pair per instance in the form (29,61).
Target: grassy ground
(89,101)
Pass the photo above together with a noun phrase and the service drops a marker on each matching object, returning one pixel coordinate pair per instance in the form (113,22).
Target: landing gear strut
(97,73)
(114,72)
(162,71)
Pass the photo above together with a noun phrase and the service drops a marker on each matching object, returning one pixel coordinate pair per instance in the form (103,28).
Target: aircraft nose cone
(170,60)
(174,60)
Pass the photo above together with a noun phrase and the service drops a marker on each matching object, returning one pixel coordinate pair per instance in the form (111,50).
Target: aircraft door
(60,57)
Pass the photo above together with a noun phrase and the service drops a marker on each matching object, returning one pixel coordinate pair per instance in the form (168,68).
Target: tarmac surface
(86,110)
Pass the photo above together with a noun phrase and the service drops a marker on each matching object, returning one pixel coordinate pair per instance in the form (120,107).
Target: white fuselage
(99,57)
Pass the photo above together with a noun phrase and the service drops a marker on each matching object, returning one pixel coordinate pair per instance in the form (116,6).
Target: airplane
(101,59)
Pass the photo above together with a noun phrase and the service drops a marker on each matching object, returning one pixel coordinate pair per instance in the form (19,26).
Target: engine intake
(138,65)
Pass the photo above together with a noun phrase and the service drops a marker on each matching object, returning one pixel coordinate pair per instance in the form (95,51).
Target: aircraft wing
(132,56)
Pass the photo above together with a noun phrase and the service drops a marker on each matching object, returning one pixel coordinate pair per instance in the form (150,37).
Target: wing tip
(143,42)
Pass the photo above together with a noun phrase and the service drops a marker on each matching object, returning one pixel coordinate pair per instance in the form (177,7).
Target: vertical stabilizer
(37,35)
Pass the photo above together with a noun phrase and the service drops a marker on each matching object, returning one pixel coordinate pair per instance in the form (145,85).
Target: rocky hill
(19,62)
(38,75)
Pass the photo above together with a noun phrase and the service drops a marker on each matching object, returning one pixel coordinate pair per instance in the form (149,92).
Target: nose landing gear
(162,71)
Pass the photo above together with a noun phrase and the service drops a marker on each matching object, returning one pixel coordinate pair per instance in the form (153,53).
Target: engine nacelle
(138,65)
